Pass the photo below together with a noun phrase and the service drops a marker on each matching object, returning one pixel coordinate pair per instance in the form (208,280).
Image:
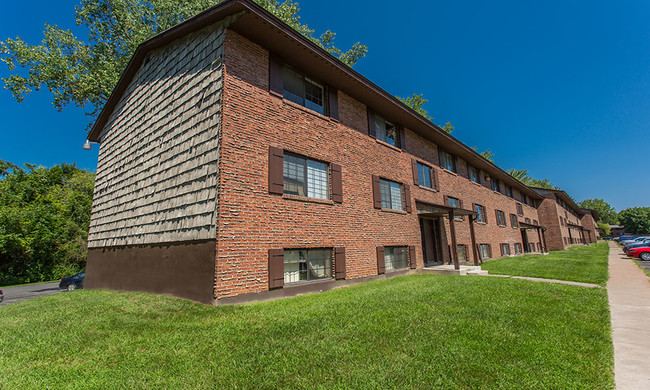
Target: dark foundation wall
(185,270)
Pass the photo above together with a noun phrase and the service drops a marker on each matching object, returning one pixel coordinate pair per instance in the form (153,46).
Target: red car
(642,252)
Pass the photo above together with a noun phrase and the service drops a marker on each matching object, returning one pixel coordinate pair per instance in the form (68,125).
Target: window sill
(304,282)
(459,219)
(481,223)
(475,183)
(497,192)
(449,172)
(394,211)
(502,226)
(380,142)
(305,109)
(307,199)
(427,188)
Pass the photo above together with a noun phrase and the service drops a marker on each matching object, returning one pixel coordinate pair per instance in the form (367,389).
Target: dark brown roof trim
(231,7)
(562,194)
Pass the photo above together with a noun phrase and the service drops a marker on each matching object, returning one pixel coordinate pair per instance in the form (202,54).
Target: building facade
(238,158)
(590,226)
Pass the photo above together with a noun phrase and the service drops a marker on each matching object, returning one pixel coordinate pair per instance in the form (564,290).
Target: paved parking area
(21,293)
(645,264)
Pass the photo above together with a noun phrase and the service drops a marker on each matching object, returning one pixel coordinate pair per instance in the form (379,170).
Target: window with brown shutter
(414,167)
(339,263)
(372,131)
(337,183)
(333,102)
(402,137)
(276,268)
(381,265)
(276,174)
(436,185)
(407,198)
(275,77)
(376,193)
(412,259)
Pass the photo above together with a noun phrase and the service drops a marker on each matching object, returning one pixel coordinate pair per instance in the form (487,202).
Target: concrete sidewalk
(629,299)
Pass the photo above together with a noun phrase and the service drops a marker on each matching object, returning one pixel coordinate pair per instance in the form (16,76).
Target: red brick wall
(251,221)
(589,223)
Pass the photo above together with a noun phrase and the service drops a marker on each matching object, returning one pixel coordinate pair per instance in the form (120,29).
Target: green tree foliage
(607,213)
(636,220)
(416,102)
(523,176)
(44,219)
(487,154)
(607,231)
(85,71)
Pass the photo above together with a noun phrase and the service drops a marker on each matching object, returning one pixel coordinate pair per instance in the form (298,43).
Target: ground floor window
(517,248)
(505,250)
(531,246)
(395,257)
(539,247)
(462,252)
(302,265)
(484,251)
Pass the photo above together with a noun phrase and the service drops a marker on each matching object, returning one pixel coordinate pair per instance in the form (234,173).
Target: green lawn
(587,264)
(419,331)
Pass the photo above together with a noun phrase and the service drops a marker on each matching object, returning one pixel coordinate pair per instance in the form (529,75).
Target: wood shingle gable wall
(158,161)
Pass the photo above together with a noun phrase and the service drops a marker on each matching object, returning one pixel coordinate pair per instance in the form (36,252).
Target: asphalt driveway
(21,293)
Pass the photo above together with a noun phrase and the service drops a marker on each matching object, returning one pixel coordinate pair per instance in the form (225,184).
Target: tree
(486,154)
(44,219)
(84,72)
(523,176)
(606,212)
(607,231)
(416,102)
(636,220)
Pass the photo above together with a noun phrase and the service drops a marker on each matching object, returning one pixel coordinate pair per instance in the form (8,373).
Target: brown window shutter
(412,259)
(371,124)
(276,173)
(460,203)
(376,194)
(381,264)
(402,137)
(434,179)
(490,250)
(337,183)
(445,200)
(339,263)
(414,165)
(276,86)
(496,215)
(276,268)
(407,198)
(333,105)
(486,214)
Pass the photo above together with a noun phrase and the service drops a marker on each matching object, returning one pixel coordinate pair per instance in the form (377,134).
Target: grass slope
(587,264)
(420,331)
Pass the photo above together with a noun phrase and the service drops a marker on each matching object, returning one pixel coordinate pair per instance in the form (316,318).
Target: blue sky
(559,88)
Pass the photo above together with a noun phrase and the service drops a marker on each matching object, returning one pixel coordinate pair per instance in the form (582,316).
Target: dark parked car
(73,282)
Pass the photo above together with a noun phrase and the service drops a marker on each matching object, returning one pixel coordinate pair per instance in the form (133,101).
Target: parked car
(2,296)
(636,244)
(642,252)
(634,240)
(73,282)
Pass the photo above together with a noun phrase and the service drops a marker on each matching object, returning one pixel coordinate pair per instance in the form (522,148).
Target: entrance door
(430,232)
(524,240)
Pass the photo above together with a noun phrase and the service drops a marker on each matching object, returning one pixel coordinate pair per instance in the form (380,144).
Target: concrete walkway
(591,285)
(629,299)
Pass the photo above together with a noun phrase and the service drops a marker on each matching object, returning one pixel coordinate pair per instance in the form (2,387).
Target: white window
(305,177)
(300,89)
(386,131)
(391,195)
(395,257)
(303,265)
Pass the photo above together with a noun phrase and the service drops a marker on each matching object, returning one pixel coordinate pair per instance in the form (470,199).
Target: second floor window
(424,175)
(386,131)
(302,90)
(447,161)
(513,221)
(305,177)
(473,174)
(481,213)
(454,202)
(520,209)
(391,195)
(501,218)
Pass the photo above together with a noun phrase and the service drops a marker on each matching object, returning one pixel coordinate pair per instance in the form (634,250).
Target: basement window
(304,265)
(395,257)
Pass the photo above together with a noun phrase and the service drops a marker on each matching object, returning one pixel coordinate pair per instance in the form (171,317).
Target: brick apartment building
(566,223)
(237,158)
